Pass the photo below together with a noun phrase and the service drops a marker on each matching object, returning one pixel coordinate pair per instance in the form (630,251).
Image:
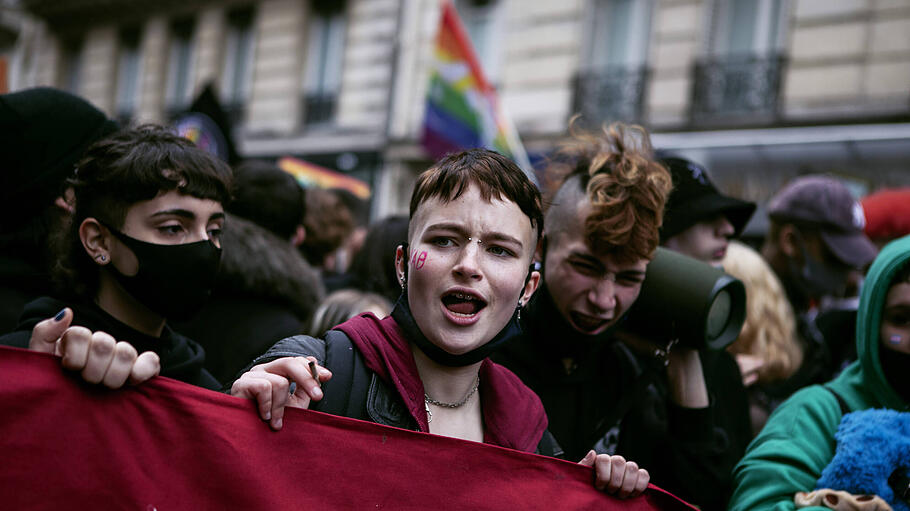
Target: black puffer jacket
(265,292)
(22,279)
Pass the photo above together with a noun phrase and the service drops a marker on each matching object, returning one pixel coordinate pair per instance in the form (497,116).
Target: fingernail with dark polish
(60,315)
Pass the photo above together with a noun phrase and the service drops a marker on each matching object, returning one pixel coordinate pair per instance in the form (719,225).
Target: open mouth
(463,304)
(588,324)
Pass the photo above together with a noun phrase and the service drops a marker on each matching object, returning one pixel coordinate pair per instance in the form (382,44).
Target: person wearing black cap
(816,246)
(699,220)
(43,133)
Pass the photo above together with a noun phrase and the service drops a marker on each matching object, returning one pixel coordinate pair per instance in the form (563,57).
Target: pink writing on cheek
(421,260)
(418,260)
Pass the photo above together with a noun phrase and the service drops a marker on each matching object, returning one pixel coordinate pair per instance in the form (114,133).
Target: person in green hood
(797,443)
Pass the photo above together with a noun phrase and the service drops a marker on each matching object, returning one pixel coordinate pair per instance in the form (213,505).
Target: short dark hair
(131,166)
(269,197)
(373,267)
(495,175)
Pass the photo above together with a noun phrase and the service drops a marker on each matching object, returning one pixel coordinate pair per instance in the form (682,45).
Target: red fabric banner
(166,445)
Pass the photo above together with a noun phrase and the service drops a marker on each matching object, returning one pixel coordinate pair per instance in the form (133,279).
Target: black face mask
(896,366)
(816,278)
(174,281)
(402,315)
(405,320)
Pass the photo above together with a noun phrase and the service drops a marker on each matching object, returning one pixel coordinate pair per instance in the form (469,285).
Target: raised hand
(98,356)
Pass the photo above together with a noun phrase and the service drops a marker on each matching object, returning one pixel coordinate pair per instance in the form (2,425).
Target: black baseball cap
(695,198)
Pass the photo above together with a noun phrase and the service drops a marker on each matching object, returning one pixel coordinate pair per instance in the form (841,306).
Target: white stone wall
(416,40)
(849,57)
(152,82)
(210,27)
(888,69)
(677,41)
(540,59)
(47,59)
(363,101)
(274,105)
(99,67)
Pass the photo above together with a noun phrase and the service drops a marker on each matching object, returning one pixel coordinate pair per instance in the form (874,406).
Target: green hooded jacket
(797,442)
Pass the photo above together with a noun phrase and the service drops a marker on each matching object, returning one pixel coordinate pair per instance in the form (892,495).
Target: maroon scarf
(513,415)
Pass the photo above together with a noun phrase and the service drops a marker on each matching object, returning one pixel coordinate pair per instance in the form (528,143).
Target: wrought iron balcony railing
(611,94)
(737,89)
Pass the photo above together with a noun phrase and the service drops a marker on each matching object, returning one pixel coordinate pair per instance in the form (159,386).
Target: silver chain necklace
(427,400)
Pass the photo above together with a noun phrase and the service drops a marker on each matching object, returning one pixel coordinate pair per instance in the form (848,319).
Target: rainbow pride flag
(462,109)
(312,175)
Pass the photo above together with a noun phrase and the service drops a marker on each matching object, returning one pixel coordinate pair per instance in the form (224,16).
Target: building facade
(756,90)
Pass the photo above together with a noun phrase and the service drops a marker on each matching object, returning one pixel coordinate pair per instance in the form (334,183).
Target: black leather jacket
(354,390)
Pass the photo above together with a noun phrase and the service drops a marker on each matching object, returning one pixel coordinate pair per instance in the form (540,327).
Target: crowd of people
(493,312)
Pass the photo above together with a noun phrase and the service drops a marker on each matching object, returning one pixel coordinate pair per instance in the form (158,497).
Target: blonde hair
(344,304)
(770,328)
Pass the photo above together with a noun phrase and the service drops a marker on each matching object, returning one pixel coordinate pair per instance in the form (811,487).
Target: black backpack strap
(346,393)
(646,375)
(844,409)
(548,446)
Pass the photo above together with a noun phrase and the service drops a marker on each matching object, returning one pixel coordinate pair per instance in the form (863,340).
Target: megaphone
(689,300)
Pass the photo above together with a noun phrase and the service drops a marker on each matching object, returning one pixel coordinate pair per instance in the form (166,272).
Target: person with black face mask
(142,247)
(802,447)
(815,244)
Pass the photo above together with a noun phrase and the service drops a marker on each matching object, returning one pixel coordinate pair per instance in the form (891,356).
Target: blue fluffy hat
(873,446)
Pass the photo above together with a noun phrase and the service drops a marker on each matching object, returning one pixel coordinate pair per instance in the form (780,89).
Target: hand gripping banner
(166,445)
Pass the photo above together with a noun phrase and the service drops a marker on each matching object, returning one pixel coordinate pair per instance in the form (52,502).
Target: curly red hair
(626,186)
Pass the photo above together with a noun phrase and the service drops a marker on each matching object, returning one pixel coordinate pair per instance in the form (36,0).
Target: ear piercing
(102,258)
(895,339)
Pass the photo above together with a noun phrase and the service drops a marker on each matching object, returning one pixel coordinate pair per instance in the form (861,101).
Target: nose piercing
(478,240)
(895,339)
